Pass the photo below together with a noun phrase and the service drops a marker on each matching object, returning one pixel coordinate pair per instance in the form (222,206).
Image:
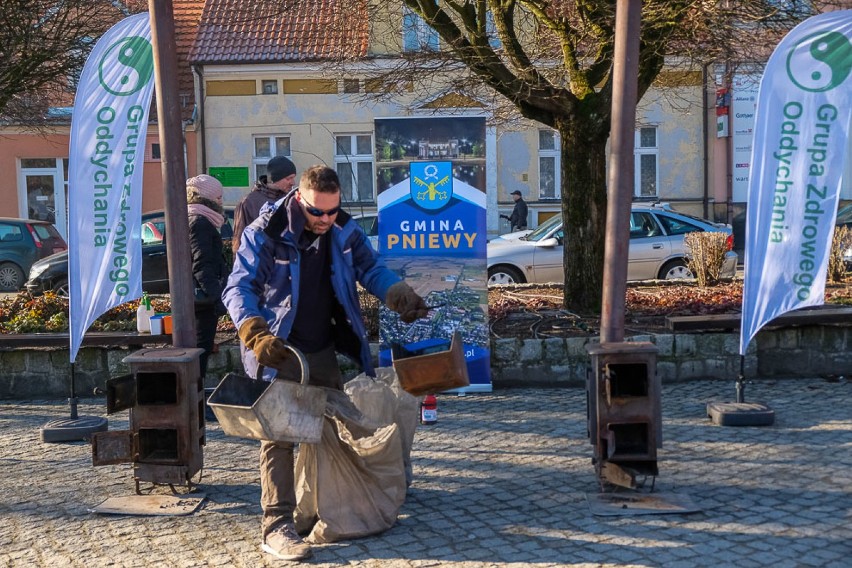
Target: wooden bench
(730,322)
(94,338)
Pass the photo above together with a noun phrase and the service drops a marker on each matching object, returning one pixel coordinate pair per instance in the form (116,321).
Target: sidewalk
(501,480)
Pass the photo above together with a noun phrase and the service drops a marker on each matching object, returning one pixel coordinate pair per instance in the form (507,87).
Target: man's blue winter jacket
(265,280)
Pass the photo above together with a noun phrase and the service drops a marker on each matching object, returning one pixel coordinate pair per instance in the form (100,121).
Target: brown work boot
(285,543)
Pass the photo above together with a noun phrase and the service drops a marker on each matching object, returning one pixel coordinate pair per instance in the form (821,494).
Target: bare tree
(551,61)
(43,47)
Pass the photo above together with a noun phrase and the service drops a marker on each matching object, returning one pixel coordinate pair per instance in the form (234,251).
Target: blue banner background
(438,244)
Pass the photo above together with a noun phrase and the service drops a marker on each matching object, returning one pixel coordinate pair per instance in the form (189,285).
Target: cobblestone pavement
(501,480)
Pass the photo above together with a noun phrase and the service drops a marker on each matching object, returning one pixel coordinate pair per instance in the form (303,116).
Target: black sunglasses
(319,212)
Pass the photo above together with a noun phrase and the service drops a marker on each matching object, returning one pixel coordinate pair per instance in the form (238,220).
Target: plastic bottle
(429,410)
(143,314)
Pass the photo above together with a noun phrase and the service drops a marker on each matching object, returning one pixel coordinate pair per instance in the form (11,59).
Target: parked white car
(370,224)
(656,248)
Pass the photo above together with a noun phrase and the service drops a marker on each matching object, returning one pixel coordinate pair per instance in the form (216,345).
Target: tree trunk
(583,157)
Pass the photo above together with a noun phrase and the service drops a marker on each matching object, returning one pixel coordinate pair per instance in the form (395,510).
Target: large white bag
(383,401)
(353,482)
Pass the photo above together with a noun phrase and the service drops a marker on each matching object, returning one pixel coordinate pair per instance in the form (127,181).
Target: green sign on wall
(231,177)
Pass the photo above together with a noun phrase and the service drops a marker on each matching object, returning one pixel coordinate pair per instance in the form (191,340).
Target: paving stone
(500,481)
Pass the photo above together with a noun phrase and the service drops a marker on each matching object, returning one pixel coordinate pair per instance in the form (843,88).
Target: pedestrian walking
(518,218)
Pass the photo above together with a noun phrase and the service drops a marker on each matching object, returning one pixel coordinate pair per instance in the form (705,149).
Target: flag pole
(740,386)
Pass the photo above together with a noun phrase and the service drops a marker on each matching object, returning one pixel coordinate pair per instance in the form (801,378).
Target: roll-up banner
(106,154)
(801,135)
(432,232)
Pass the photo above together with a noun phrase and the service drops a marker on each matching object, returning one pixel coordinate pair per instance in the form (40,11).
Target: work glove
(402,299)
(269,350)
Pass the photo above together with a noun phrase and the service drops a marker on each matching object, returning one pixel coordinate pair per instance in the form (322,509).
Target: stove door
(113,447)
(121,393)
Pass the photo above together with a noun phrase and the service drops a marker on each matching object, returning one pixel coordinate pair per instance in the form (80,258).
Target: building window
(353,160)
(265,147)
(310,87)
(351,86)
(36,163)
(246,87)
(152,150)
(417,35)
(549,171)
(269,87)
(491,31)
(784,10)
(647,154)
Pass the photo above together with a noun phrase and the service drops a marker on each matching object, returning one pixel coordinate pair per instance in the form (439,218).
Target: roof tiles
(277,31)
(187,14)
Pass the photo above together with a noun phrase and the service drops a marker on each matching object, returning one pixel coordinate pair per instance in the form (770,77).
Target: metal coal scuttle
(164,393)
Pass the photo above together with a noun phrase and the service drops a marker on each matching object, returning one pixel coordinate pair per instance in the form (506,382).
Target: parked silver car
(656,248)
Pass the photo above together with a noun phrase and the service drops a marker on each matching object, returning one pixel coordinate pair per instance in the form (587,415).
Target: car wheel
(11,277)
(504,275)
(60,288)
(675,269)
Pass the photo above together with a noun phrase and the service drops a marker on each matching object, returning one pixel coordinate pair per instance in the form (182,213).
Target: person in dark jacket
(294,282)
(518,218)
(209,269)
(278,181)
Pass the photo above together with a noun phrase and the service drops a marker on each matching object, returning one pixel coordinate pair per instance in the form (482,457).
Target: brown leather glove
(402,299)
(269,350)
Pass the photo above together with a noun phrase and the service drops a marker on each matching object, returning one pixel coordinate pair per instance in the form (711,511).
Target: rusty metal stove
(625,418)
(165,395)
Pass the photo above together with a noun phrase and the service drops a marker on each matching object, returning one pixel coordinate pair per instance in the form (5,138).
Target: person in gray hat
(518,218)
(278,181)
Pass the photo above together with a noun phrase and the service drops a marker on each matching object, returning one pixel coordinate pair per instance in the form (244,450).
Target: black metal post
(73,399)
(741,381)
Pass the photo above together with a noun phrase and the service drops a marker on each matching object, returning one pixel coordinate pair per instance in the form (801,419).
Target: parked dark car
(51,273)
(22,243)
(844,219)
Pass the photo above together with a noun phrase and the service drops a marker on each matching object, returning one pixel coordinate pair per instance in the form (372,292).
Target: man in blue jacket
(294,281)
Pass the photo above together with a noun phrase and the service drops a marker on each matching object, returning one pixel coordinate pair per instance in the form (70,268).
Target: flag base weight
(73,429)
(740,414)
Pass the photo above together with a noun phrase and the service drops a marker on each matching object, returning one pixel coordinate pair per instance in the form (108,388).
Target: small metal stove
(165,395)
(625,418)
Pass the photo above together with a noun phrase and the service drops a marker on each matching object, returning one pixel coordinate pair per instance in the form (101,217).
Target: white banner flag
(108,131)
(800,139)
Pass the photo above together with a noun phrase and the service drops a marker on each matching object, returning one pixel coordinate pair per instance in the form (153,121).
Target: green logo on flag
(127,66)
(820,62)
